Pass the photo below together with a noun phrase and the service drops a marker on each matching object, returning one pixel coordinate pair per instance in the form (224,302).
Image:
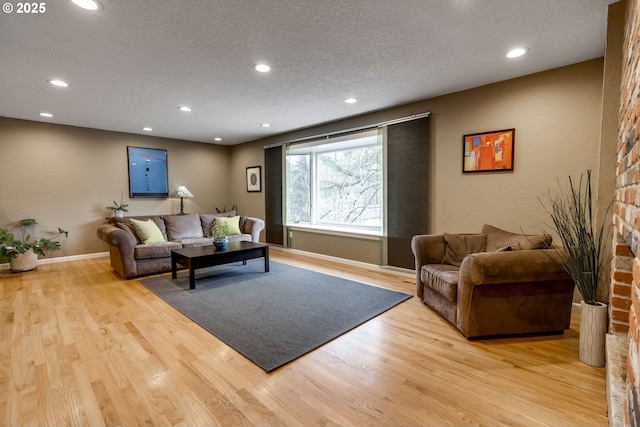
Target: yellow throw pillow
(233,223)
(148,231)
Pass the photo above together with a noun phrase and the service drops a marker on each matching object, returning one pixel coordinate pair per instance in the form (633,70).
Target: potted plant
(22,253)
(119,209)
(585,253)
(219,233)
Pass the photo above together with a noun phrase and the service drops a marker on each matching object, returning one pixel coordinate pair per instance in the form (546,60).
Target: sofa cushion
(240,238)
(459,246)
(442,278)
(182,227)
(206,220)
(125,223)
(160,223)
(191,243)
(158,250)
(499,239)
(233,223)
(147,231)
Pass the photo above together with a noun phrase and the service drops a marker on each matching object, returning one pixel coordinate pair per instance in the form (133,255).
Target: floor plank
(79,346)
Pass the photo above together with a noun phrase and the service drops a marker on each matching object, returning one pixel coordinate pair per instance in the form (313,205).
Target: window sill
(336,231)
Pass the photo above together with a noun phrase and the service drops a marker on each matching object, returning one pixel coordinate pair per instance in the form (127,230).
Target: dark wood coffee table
(208,256)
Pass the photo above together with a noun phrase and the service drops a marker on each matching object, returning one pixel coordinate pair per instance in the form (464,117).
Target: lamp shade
(182,191)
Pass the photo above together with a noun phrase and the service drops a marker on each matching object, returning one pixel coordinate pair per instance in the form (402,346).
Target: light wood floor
(80,347)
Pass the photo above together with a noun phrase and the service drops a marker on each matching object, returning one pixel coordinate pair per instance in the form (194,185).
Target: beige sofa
(130,257)
(494,282)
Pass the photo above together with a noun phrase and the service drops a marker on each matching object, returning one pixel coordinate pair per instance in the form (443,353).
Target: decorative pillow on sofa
(147,231)
(207,220)
(498,239)
(128,226)
(461,245)
(233,223)
(183,227)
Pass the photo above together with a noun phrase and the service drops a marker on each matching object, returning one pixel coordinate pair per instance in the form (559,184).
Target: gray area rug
(273,318)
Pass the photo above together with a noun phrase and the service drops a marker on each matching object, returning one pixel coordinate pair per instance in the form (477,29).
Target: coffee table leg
(173,267)
(266,260)
(192,277)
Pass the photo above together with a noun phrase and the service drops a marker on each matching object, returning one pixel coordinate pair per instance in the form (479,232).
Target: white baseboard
(63,259)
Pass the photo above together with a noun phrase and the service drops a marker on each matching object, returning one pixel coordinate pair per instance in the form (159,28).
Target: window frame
(367,138)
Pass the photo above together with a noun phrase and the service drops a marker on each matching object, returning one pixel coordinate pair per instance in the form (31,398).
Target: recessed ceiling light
(59,83)
(263,68)
(516,53)
(265,125)
(184,108)
(351,100)
(217,138)
(86,4)
(147,129)
(43,114)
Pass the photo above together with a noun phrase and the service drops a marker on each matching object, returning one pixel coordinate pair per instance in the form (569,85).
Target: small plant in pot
(219,233)
(119,209)
(585,253)
(22,252)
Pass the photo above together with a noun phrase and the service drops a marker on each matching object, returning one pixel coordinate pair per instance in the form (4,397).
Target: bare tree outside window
(348,183)
(299,188)
(343,179)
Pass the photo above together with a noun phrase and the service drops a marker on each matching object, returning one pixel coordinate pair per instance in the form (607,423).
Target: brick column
(625,290)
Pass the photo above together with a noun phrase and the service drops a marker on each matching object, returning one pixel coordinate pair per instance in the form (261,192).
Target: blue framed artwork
(148,175)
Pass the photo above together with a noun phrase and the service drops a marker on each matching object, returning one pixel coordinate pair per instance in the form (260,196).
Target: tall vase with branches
(585,252)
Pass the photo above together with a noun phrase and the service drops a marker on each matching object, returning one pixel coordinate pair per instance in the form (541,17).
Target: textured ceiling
(133,62)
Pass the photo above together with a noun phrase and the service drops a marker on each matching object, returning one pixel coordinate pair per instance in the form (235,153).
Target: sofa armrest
(116,236)
(253,226)
(511,267)
(517,290)
(121,249)
(427,249)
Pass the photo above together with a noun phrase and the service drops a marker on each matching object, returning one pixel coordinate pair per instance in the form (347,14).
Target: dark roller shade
(407,188)
(274,224)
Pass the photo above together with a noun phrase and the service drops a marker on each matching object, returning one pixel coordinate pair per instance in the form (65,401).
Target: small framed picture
(254,179)
(488,151)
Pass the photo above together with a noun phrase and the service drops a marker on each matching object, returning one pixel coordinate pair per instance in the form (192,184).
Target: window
(336,182)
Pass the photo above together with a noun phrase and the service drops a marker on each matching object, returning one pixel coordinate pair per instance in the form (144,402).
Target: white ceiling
(133,62)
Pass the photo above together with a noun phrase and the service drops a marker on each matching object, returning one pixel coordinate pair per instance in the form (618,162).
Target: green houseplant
(118,209)
(585,253)
(220,233)
(22,252)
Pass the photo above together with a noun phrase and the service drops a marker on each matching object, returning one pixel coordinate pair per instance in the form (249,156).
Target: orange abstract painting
(488,151)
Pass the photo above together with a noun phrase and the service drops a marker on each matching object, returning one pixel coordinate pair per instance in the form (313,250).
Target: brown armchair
(493,283)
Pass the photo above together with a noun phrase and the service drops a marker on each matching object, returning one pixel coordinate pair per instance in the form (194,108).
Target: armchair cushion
(460,245)
(498,239)
(443,279)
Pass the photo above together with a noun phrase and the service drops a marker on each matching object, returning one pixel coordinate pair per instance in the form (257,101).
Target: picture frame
(488,151)
(254,179)
(148,172)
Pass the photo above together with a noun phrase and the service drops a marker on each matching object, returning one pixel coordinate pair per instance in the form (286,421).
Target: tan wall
(556,114)
(338,246)
(64,176)
(245,156)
